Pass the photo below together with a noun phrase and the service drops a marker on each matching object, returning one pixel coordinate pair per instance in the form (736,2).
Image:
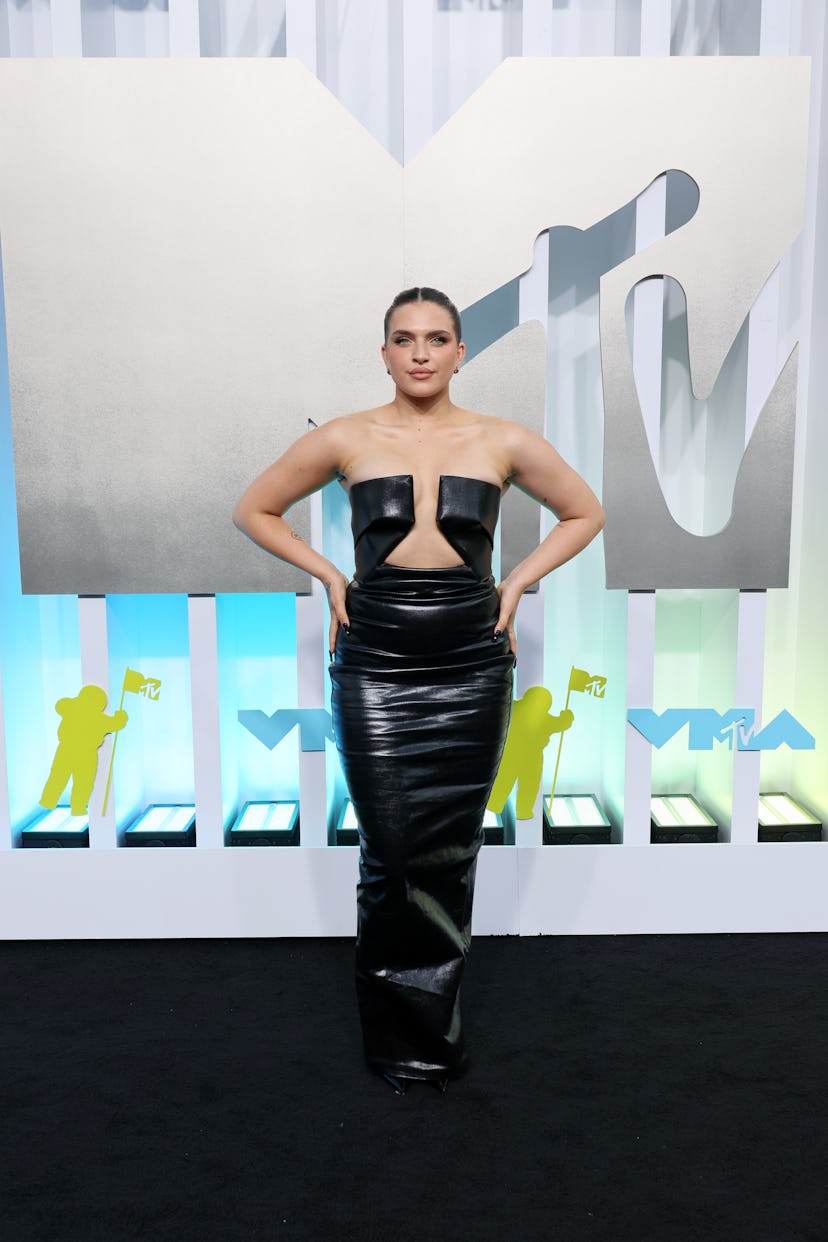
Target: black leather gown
(421,699)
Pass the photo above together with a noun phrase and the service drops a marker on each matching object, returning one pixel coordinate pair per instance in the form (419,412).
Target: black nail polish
(498,634)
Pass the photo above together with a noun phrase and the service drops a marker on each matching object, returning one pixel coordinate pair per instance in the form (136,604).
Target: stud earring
(456,370)
(387,372)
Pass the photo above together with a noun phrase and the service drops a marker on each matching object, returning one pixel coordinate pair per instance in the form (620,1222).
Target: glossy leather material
(467,513)
(382,514)
(420,701)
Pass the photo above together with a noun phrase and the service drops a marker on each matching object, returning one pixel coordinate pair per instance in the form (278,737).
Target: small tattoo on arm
(295,535)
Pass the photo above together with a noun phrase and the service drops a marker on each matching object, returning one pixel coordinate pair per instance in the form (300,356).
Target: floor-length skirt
(421,699)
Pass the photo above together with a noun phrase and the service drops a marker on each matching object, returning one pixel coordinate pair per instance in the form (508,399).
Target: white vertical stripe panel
(533,303)
(312,619)
(94,653)
(647,349)
(762,367)
(649,227)
(809,580)
(184,38)
(418,75)
(130,31)
(21,35)
(536,31)
(565,30)
(396,78)
(239,28)
(41,28)
(579,29)
(775,28)
(301,43)
(201,616)
(156,31)
(468,45)
(638,756)
(364,84)
(270,18)
(596,29)
(67,35)
(648,297)
(98,25)
(696,29)
(300,31)
(627,27)
(656,27)
(782,32)
(327,43)
(5,808)
(750,662)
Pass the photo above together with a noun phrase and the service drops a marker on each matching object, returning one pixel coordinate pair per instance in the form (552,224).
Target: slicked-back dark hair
(424,294)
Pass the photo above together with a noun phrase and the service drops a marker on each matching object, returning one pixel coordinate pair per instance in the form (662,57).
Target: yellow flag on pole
(587,683)
(137,683)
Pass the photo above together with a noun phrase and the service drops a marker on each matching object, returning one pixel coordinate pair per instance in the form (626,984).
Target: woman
(422,648)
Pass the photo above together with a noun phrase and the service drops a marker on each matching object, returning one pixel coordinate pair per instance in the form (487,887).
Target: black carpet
(642,1087)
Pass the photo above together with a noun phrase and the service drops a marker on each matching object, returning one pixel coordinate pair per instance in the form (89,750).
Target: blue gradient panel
(337,541)
(257,672)
(154,753)
(39,642)
(338,546)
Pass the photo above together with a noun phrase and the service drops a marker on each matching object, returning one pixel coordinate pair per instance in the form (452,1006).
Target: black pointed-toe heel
(399,1085)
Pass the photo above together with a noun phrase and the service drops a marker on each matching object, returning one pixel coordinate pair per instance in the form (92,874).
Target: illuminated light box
(574,819)
(266,823)
(56,830)
(347,828)
(782,819)
(162,824)
(679,819)
(493,833)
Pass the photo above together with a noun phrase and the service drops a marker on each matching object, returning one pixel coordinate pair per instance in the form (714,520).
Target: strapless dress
(420,700)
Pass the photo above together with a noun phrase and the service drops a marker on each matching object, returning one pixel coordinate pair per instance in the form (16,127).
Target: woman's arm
(536,468)
(311,462)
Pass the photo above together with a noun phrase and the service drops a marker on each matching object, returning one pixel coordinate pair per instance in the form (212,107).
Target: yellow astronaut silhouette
(83,727)
(530,729)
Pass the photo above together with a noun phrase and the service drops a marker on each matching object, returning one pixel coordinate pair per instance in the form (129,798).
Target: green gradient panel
(574,624)
(695,666)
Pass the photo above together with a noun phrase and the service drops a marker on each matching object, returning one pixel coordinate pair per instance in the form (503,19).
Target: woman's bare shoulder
(356,421)
(492,426)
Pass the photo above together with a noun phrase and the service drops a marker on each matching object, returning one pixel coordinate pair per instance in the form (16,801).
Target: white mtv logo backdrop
(174,322)
(196,256)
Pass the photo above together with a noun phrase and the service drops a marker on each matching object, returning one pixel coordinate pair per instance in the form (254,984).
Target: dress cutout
(382,514)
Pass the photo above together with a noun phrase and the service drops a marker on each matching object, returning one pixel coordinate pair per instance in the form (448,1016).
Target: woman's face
(421,351)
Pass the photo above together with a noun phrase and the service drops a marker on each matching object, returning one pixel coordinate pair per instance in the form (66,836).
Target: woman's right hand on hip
(336,587)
